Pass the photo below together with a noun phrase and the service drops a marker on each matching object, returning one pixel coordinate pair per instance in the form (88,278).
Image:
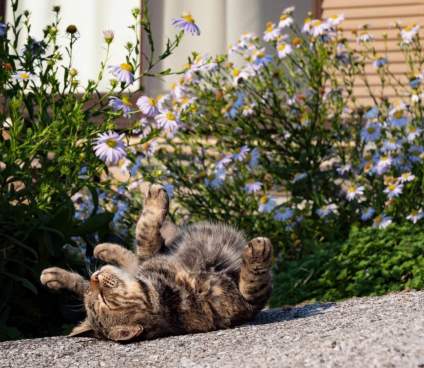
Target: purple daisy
(123,105)
(147,106)
(110,147)
(187,23)
(123,72)
(253,187)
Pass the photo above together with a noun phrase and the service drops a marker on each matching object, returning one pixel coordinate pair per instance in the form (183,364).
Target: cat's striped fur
(196,278)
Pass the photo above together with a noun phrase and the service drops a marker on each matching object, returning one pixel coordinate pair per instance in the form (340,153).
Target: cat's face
(117,304)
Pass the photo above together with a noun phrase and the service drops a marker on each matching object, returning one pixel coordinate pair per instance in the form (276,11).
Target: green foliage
(369,262)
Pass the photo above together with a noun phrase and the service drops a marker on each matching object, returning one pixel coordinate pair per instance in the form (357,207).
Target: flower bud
(108,36)
(135,12)
(56,9)
(73,72)
(71,29)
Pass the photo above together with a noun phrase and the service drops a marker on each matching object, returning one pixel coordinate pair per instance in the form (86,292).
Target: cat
(189,279)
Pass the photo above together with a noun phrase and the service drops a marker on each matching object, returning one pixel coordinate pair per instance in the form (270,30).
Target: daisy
(335,20)
(23,76)
(242,153)
(187,24)
(254,158)
(367,214)
(267,204)
(167,121)
(344,169)
(285,21)
(271,32)
(110,147)
(316,28)
(393,190)
(380,62)
(371,132)
(283,50)
(353,192)
(415,153)
(147,106)
(224,161)
(415,216)
(383,164)
(381,222)
(123,105)
(123,72)
(284,215)
(372,113)
(390,145)
(406,177)
(408,33)
(327,210)
(413,133)
(299,177)
(364,37)
(398,118)
(253,187)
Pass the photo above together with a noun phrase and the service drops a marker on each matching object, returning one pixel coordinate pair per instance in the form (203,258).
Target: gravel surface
(364,332)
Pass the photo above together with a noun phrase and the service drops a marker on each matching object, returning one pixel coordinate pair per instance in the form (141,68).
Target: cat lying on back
(198,278)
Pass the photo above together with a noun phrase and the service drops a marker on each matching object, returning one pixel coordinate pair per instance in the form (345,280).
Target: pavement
(367,332)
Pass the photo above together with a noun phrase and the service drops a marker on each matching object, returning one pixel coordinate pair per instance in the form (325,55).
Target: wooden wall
(380,16)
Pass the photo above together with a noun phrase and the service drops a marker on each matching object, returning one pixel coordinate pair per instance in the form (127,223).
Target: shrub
(369,262)
(58,141)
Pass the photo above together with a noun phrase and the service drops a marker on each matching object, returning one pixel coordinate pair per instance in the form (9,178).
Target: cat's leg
(255,282)
(148,235)
(116,254)
(57,278)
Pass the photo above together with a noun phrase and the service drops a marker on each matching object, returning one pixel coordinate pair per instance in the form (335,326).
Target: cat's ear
(124,333)
(83,328)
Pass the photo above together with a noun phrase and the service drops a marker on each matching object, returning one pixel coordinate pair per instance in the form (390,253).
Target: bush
(369,262)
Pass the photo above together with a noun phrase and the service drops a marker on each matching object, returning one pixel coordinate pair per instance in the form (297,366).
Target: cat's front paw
(258,252)
(155,196)
(55,278)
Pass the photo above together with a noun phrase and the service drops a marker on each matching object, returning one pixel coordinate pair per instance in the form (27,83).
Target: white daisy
(110,147)
(283,50)
(354,192)
(415,216)
(285,21)
(327,210)
(335,20)
(123,72)
(147,106)
(167,121)
(393,190)
(267,204)
(22,76)
(271,32)
(382,221)
(408,33)
(406,177)
(367,214)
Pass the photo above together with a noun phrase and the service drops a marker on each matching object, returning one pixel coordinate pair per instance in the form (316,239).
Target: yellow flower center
(126,101)
(410,27)
(284,17)
(151,101)
(269,27)
(351,189)
(127,67)
(170,115)
(392,187)
(334,17)
(414,213)
(111,143)
(263,199)
(296,41)
(281,47)
(236,72)
(188,18)
(378,219)
(370,130)
(316,23)
(398,114)
(24,75)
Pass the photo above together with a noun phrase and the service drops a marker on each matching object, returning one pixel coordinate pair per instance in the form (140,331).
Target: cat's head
(117,305)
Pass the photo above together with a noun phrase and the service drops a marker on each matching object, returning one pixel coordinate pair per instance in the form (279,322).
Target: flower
(415,216)
(315,27)
(271,32)
(110,147)
(187,24)
(382,165)
(283,49)
(398,117)
(413,133)
(344,169)
(123,72)
(220,175)
(123,105)
(225,160)
(364,37)
(408,33)
(147,106)
(267,204)
(406,177)
(393,190)
(167,121)
(299,177)
(372,113)
(254,158)
(285,20)
(241,155)
(284,215)
(108,36)
(371,132)
(3,29)
(367,214)
(380,62)
(382,221)
(335,20)
(327,210)
(253,187)
(23,76)
(353,192)
(390,145)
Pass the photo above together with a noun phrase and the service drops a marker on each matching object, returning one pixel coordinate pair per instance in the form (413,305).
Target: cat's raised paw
(54,278)
(258,251)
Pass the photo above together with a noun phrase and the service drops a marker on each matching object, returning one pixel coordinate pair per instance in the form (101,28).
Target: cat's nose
(95,277)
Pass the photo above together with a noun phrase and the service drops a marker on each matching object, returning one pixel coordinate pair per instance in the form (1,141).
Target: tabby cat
(191,279)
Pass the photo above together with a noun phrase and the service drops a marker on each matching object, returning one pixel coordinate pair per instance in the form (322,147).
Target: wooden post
(2,10)
(317,8)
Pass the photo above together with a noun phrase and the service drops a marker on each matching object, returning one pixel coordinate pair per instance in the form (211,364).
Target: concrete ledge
(363,332)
